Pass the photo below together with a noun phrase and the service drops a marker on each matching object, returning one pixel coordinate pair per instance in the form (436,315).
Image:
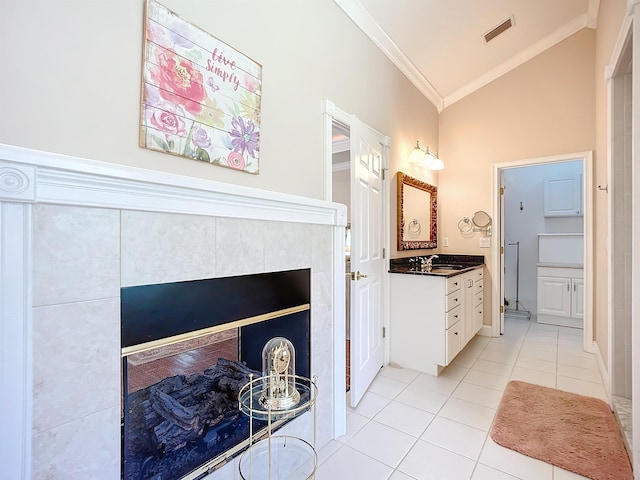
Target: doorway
(355,177)
(500,249)
(543,225)
(341,193)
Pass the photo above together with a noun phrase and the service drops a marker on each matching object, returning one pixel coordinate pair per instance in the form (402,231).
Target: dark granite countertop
(446,265)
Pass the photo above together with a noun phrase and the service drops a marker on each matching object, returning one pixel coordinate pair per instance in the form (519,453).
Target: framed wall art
(200,98)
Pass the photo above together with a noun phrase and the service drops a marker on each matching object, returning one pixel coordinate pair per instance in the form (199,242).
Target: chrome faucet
(427,264)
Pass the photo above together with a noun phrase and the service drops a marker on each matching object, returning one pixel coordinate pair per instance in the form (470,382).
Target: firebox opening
(180,407)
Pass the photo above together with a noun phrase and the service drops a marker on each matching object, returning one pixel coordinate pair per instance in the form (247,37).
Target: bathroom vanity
(434,313)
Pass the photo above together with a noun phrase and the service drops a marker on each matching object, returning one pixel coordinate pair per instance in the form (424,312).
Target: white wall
(526,185)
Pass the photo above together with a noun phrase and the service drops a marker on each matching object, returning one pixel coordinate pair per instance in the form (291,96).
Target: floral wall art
(200,97)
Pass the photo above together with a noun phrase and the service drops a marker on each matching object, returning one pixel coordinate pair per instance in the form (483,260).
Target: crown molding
(592,13)
(356,12)
(341,146)
(363,20)
(339,167)
(537,48)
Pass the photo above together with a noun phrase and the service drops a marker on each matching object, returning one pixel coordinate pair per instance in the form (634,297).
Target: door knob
(357,275)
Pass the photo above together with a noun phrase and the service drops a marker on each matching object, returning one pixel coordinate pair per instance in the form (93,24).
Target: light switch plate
(445,241)
(485,242)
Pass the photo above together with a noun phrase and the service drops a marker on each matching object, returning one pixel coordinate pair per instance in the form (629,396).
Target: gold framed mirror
(417,213)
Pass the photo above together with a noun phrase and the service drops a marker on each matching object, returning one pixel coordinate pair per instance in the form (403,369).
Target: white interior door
(367,263)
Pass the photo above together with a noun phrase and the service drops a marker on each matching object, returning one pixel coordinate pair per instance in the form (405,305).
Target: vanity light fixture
(431,160)
(417,155)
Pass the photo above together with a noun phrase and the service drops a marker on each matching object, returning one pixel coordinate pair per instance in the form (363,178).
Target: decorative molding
(592,13)
(74,181)
(15,340)
(625,37)
(339,167)
(17,182)
(341,146)
(608,73)
(357,13)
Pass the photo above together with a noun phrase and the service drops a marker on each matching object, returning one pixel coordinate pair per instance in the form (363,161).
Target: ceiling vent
(503,27)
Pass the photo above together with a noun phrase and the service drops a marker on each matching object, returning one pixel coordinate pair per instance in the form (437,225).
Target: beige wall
(73,83)
(544,107)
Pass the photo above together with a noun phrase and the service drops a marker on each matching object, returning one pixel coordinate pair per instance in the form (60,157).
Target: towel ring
(414,227)
(465,225)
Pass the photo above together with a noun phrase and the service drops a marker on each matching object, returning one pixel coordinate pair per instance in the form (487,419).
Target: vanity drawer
(454,300)
(478,318)
(477,298)
(477,274)
(454,283)
(453,316)
(454,341)
(478,286)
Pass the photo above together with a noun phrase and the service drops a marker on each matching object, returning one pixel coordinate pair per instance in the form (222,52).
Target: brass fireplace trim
(143,347)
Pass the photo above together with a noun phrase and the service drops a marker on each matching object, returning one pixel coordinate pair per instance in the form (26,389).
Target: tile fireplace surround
(72,233)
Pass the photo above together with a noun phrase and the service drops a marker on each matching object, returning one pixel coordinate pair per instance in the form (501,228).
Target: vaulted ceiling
(440,44)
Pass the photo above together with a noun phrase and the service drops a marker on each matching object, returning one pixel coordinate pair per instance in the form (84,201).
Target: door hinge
(384,174)
(501,250)
(384,332)
(501,309)
(384,253)
(501,190)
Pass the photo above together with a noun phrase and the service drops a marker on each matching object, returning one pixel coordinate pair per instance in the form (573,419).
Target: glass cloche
(278,372)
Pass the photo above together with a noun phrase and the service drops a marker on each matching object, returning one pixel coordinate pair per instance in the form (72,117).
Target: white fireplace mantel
(29,177)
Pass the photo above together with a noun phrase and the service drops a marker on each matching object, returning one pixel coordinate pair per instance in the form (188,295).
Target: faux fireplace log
(180,409)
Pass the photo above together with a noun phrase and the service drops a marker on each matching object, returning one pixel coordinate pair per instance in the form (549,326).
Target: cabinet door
(477,317)
(471,286)
(563,197)
(554,296)
(577,297)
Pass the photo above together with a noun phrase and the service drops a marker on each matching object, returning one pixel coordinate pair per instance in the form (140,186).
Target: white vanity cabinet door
(472,284)
(577,297)
(554,296)
(417,324)
(560,296)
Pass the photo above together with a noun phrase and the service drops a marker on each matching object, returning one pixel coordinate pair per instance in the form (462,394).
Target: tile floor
(415,426)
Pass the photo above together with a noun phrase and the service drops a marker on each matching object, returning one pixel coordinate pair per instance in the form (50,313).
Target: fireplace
(75,233)
(187,350)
